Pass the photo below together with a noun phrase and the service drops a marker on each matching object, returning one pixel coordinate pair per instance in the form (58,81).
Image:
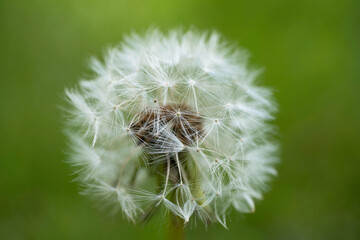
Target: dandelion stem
(175,228)
(123,167)
(167,174)
(195,98)
(179,167)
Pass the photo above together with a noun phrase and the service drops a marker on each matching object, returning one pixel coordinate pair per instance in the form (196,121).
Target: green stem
(175,228)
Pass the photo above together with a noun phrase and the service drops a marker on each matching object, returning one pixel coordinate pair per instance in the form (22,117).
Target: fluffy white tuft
(225,163)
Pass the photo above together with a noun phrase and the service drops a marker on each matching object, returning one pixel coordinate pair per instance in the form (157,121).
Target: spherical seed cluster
(173,120)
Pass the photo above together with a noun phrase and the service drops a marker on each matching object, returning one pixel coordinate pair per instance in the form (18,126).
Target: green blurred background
(311,54)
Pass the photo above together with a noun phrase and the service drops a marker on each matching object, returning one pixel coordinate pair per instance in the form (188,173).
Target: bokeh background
(311,54)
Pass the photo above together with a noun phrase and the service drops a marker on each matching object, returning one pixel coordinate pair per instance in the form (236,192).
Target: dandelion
(175,121)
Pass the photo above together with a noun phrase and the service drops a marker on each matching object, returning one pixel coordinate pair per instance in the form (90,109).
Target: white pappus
(174,120)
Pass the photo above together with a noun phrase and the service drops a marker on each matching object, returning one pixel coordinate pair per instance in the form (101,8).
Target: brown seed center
(175,119)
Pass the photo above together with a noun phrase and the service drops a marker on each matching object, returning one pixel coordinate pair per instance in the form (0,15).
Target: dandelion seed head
(173,119)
